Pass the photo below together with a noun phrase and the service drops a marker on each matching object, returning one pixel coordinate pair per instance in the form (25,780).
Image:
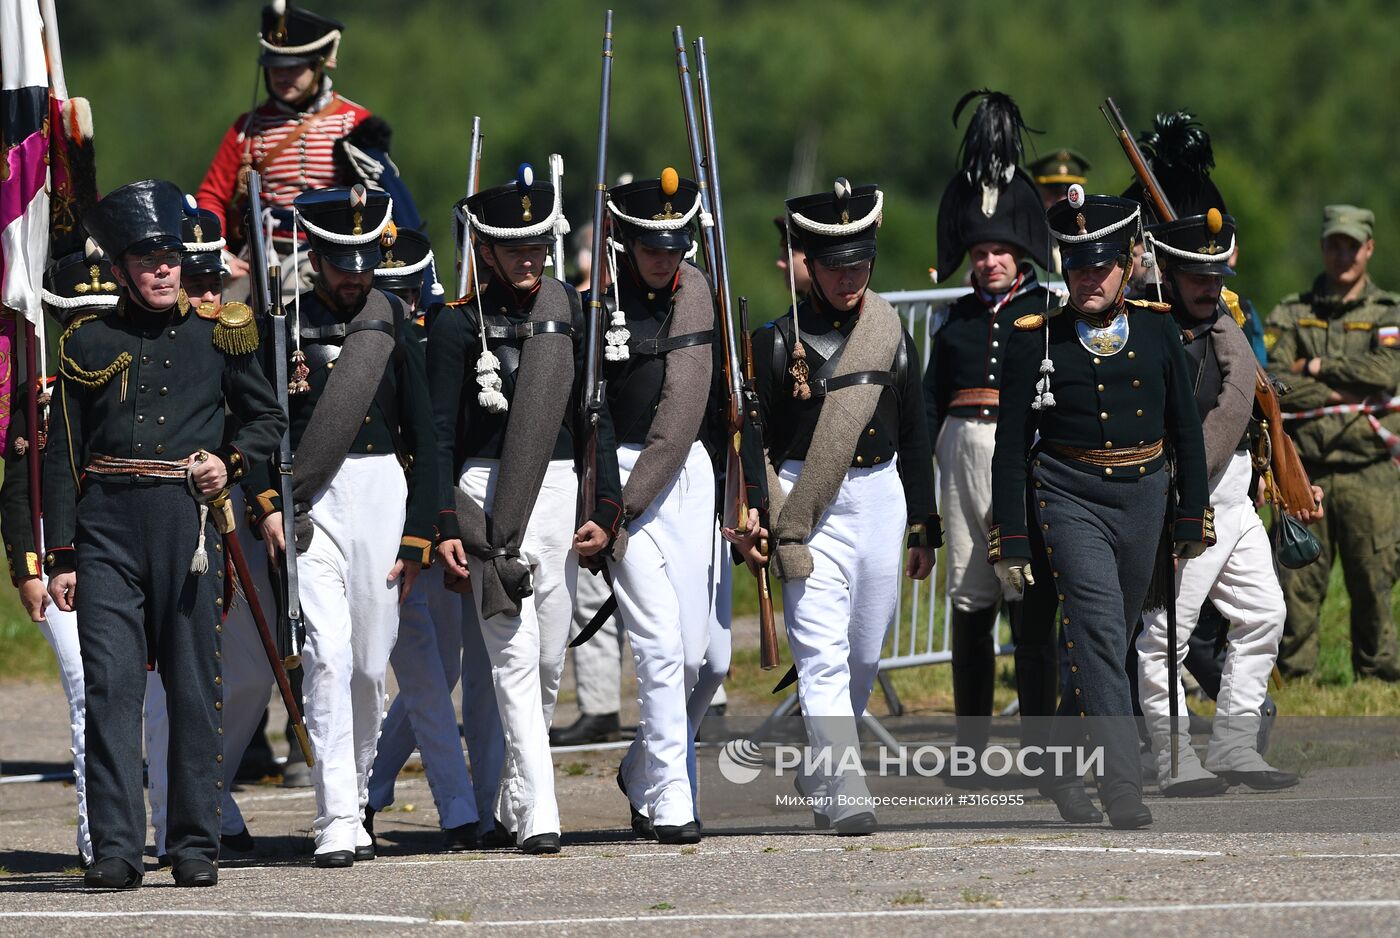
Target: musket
(591,406)
(225,524)
(742,402)
(736,509)
(1293,481)
(466,274)
(767,628)
(267,299)
(561,225)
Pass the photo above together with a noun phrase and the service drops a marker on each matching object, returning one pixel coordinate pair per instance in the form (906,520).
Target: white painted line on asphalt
(1162,851)
(1176,909)
(1179,909)
(221,913)
(594,747)
(39,777)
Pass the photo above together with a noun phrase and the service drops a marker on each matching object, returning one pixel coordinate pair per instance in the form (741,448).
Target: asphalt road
(1323,858)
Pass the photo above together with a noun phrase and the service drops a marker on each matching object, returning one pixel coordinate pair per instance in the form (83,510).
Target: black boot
(974,679)
(111,873)
(195,872)
(588,728)
(1074,804)
(1128,813)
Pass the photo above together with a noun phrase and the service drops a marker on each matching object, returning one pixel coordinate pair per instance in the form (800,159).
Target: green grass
(24,653)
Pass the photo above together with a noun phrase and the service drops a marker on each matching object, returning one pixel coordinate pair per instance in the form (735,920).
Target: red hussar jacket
(306,163)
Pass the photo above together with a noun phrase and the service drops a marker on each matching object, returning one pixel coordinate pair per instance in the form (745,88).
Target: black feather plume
(1178,145)
(992,147)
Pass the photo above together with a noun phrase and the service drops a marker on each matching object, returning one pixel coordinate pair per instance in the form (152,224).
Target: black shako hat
(403,263)
(656,212)
(78,281)
(204,241)
(520,212)
(1198,244)
(990,198)
(347,226)
(1094,229)
(138,218)
(292,36)
(838,226)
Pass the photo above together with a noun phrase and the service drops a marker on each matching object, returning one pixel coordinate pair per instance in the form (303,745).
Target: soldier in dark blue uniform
(849,473)
(513,440)
(366,491)
(1105,384)
(998,224)
(138,429)
(661,380)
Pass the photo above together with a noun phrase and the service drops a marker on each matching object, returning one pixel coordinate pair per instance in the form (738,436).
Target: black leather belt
(821,386)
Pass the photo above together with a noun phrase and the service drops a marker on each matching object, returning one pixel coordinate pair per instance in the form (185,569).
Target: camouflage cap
(1356,223)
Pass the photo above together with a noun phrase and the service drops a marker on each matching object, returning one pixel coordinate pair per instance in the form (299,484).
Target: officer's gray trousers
(1101,538)
(134,544)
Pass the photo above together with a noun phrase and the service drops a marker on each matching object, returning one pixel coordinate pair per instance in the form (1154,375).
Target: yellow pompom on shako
(670,181)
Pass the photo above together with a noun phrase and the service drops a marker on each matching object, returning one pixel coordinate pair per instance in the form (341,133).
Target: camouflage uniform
(1359,349)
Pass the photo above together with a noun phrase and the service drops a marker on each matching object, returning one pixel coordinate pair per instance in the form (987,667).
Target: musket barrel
(592,403)
(721,271)
(465,276)
(697,156)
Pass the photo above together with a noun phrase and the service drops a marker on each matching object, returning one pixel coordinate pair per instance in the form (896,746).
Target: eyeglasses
(159,259)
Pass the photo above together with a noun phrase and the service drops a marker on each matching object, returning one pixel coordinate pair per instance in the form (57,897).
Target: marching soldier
(146,460)
(514,442)
(75,285)
(1337,346)
(438,635)
(1237,572)
(366,489)
(849,472)
(999,225)
(1105,385)
(247,678)
(660,374)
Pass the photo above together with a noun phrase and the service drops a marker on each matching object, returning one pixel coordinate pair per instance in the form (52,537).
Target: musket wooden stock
(1291,477)
(274,658)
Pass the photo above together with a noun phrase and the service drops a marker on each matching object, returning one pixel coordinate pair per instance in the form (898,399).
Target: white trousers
(1237,575)
(61,631)
(664,598)
(439,638)
(352,618)
(598,661)
(837,619)
(714,668)
(247,688)
(527,650)
(964,451)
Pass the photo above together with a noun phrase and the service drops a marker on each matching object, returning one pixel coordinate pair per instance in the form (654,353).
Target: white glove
(1185,550)
(1014,574)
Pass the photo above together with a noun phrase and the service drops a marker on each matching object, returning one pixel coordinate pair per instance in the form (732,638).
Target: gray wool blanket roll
(340,410)
(685,392)
(543,385)
(844,415)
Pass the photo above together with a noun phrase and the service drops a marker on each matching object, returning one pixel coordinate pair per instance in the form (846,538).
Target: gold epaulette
(1030,322)
(235,332)
(1232,303)
(1152,305)
(76,372)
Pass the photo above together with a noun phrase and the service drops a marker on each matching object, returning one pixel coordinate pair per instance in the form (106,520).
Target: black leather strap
(524,330)
(657,347)
(821,386)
